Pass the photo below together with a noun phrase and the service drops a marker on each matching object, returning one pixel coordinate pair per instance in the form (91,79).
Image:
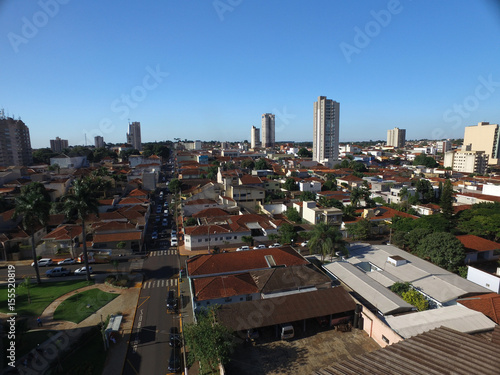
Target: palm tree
(326,239)
(81,203)
(33,205)
(356,195)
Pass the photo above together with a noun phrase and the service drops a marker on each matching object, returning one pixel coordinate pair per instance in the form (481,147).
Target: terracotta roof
(476,243)
(133,201)
(117,237)
(199,201)
(211,212)
(138,193)
(56,219)
(206,288)
(235,262)
(7,190)
(106,202)
(463,207)
(250,180)
(7,215)
(485,197)
(488,304)
(112,226)
(64,232)
(203,230)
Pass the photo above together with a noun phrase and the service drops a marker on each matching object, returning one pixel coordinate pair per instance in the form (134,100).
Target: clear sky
(209,69)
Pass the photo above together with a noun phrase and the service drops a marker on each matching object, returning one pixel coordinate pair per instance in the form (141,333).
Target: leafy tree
(400,288)
(157,149)
(121,245)
(287,233)
(357,166)
(174,185)
(191,221)
(307,196)
(332,202)
(326,240)
(415,236)
(248,240)
(248,164)
(81,203)
(43,155)
(427,161)
(416,299)
(446,200)
(349,211)
(442,249)
(305,153)
(344,163)
(330,184)
(293,215)
(262,164)
(483,226)
(290,184)
(125,154)
(33,204)
(425,191)
(209,342)
(360,230)
(398,238)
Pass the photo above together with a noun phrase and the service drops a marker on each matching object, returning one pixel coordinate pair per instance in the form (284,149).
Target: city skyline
(74,81)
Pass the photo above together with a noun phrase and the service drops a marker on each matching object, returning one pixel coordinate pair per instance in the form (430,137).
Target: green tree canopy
(443,249)
(305,153)
(262,164)
(326,240)
(400,288)
(290,184)
(416,299)
(293,215)
(175,185)
(209,342)
(287,233)
(415,236)
(248,164)
(360,230)
(307,196)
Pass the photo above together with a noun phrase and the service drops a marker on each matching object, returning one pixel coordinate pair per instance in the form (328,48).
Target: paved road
(149,348)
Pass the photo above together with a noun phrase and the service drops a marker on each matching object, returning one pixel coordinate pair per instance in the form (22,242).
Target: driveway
(302,355)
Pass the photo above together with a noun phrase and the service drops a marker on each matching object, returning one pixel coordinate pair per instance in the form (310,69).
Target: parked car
(173,232)
(44,262)
(175,338)
(304,244)
(275,245)
(164,222)
(57,271)
(171,301)
(243,248)
(174,362)
(67,261)
(259,247)
(173,242)
(287,331)
(158,209)
(83,271)
(154,235)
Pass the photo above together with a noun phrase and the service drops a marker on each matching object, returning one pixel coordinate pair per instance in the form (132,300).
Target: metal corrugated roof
(373,292)
(440,351)
(455,317)
(261,313)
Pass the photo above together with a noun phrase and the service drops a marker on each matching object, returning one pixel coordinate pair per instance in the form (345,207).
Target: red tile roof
(211,212)
(206,288)
(117,237)
(476,243)
(241,261)
(485,197)
(488,304)
(199,201)
(65,232)
(250,180)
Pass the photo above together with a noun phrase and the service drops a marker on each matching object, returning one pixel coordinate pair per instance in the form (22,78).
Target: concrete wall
(485,279)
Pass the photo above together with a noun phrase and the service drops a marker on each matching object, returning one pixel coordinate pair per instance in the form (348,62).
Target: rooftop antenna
(85,139)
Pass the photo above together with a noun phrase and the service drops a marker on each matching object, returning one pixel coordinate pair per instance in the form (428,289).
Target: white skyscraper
(267,129)
(134,135)
(326,130)
(396,137)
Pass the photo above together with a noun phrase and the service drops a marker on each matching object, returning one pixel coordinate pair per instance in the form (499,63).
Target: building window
(228,299)
(386,340)
(249,298)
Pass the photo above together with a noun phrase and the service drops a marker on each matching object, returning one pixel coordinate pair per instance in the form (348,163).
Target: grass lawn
(74,309)
(87,359)
(42,295)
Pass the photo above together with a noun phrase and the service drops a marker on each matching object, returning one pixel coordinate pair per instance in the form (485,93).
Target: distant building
(134,135)
(15,144)
(58,144)
(98,141)
(396,137)
(466,161)
(484,137)
(268,130)
(326,130)
(255,137)
(443,146)
(192,146)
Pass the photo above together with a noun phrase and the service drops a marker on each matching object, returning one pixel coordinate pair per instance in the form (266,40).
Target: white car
(67,261)
(173,242)
(259,247)
(243,248)
(304,244)
(82,271)
(275,245)
(44,262)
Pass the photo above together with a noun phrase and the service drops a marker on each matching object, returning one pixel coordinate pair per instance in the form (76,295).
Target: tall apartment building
(484,137)
(268,130)
(396,137)
(326,130)
(255,137)
(15,143)
(466,161)
(134,135)
(98,141)
(443,146)
(58,144)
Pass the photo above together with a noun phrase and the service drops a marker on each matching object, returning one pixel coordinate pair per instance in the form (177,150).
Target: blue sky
(208,69)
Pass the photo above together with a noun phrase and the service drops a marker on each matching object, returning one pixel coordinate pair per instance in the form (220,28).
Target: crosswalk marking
(162,252)
(163,283)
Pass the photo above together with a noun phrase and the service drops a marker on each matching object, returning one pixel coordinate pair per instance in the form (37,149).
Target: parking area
(317,348)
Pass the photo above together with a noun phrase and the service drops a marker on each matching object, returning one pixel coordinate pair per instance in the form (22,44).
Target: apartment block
(466,161)
(98,141)
(484,137)
(58,144)
(134,135)
(254,137)
(326,130)
(396,137)
(15,143)
(268,125)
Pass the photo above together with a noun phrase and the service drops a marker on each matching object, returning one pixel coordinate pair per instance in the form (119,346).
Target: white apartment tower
(134,135)
(396,137)
(484,137)
(255,137)
(326,130)
(267,130)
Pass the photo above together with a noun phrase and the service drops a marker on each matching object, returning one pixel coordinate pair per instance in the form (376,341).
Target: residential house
(478,249)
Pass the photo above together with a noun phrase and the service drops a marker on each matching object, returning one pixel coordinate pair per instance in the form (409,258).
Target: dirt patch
(302,355)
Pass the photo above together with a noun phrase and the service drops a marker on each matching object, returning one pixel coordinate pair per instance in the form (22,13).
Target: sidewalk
(69,333)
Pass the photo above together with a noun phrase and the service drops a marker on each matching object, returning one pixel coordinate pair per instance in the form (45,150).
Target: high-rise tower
(326,130)
(267,129)
(134,135)
(15,143)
